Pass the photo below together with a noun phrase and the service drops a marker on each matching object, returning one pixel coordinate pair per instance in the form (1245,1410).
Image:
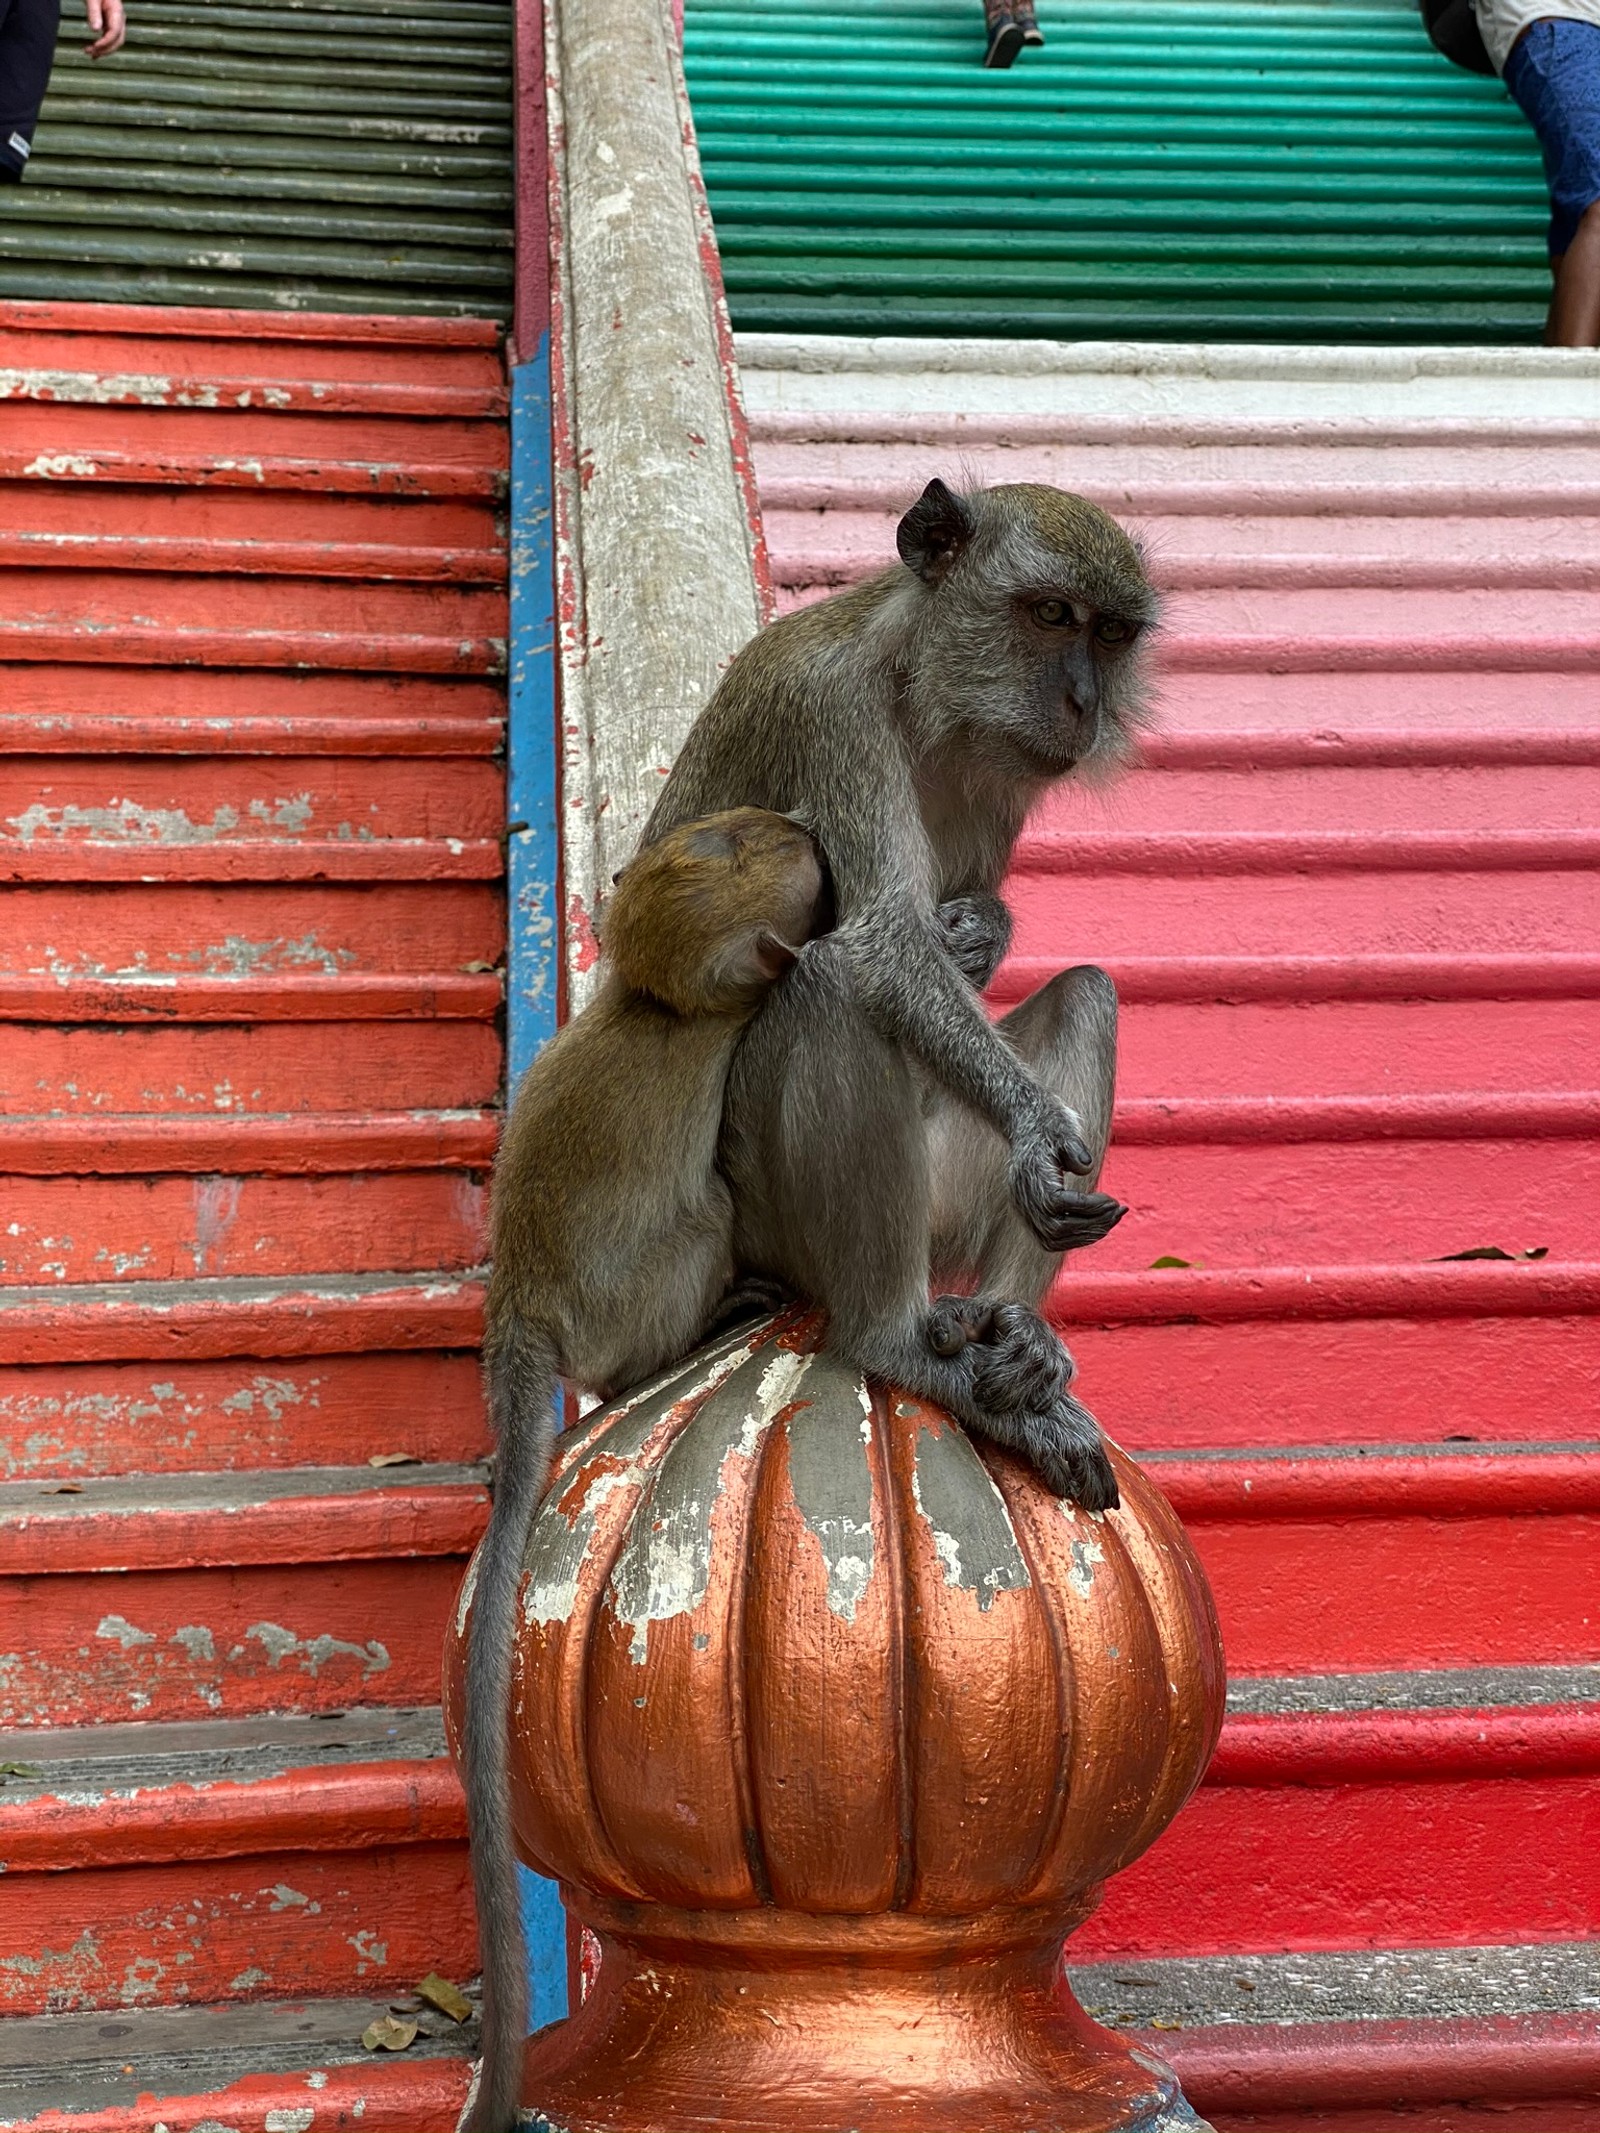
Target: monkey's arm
(906,982)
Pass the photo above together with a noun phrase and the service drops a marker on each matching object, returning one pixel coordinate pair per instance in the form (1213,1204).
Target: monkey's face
(1033,644)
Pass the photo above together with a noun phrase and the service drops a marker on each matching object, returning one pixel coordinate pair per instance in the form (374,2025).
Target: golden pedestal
(831,1723)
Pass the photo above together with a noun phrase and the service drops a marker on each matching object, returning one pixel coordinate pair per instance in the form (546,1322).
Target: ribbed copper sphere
(806,1676)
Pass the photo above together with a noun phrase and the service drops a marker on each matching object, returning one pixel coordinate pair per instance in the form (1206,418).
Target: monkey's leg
(1067,1033)
(825,1143)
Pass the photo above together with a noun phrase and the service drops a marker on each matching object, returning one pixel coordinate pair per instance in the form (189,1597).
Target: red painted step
(174,1597)
(251,805)
(1349,899)
(254,2068)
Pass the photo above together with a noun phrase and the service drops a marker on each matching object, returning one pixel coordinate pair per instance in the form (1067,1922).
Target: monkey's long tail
(522,1377)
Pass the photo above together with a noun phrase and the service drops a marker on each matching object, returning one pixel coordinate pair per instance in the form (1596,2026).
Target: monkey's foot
(1012,1359)
(1065,1448)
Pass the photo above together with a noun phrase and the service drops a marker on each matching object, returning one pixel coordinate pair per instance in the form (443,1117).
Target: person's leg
(1553,71)
(1574,320)
(1004,32)
(27,51)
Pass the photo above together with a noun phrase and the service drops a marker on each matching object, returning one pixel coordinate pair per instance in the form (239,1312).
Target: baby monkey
(612,1251)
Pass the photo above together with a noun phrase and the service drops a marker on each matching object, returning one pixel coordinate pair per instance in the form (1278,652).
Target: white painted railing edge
(660,570)
(826,353)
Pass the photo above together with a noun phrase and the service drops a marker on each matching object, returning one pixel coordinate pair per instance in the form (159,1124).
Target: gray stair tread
(1454,1688)
(176,2051)
(208,1750)
(141,1493)
(1363,1984)
(1301,1454)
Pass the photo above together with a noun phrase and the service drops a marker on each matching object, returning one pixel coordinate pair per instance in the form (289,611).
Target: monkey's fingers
(954,1322)
(1021,1365)
(1087,1217)
(1072,1457)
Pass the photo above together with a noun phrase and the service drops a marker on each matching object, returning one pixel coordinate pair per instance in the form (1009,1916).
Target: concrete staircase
(1350,900)
(252,648)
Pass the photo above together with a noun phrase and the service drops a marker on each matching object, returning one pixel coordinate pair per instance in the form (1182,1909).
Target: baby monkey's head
(711,914)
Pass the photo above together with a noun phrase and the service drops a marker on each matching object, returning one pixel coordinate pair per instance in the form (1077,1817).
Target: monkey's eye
(1054,614)
(1109,630)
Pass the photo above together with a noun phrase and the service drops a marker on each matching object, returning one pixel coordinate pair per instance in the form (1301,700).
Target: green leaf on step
(20,1770)
(449,1999)
(1167,1259)
(388,2034)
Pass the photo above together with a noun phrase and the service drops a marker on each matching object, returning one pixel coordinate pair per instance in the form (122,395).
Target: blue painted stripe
(533,962)
(533,856)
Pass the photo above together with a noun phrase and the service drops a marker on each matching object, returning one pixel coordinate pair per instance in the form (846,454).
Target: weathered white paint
(656,585)
(1133,381)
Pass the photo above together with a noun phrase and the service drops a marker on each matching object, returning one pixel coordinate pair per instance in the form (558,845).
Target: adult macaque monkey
(878,1127)
(612,1251)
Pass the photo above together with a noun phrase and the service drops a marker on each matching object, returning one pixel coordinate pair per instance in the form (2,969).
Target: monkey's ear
(769,955)
(933,532)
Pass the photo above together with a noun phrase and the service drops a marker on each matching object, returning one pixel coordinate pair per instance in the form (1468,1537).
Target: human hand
(107,27)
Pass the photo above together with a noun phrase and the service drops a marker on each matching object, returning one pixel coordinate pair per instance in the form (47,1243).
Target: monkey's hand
(1013,1359)
(976,931)
(1042,1169)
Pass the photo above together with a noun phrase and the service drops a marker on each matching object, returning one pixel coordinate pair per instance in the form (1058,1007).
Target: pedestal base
(767,2023)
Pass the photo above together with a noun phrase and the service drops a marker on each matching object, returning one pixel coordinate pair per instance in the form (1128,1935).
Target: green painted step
(317,155)
(1163,170)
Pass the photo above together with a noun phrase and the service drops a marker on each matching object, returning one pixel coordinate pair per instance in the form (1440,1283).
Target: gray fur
(877,1125)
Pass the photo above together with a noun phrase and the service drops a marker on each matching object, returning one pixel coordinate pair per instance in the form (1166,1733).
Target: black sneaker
(1006,39)
(1028,23)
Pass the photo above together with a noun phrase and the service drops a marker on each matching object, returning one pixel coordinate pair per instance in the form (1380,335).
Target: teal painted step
(315,155)
(1162,170)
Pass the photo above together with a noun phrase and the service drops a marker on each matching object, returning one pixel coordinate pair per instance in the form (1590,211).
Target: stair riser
(383,453)
(273,1926)
(181,1644)
(1340,1381)
(1389,1865)
(401,2095)
(1354,1047)
(50,600)
(1350,1202)
(238,1071)
(254,930)
(1574,2116)
(1386,799)
(44,700)
(111,1418)
(1377,1593)
(1479,695)
(187,349)
(94,511)
(1098,917)
(50,802)
(177,1228)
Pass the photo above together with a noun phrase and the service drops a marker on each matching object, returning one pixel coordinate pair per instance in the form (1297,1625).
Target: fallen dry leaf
(449,1999)
(63,1488)
(393,1459)
(388,2034)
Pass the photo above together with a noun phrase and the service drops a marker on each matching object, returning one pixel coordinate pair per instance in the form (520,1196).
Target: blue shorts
(1554,73)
